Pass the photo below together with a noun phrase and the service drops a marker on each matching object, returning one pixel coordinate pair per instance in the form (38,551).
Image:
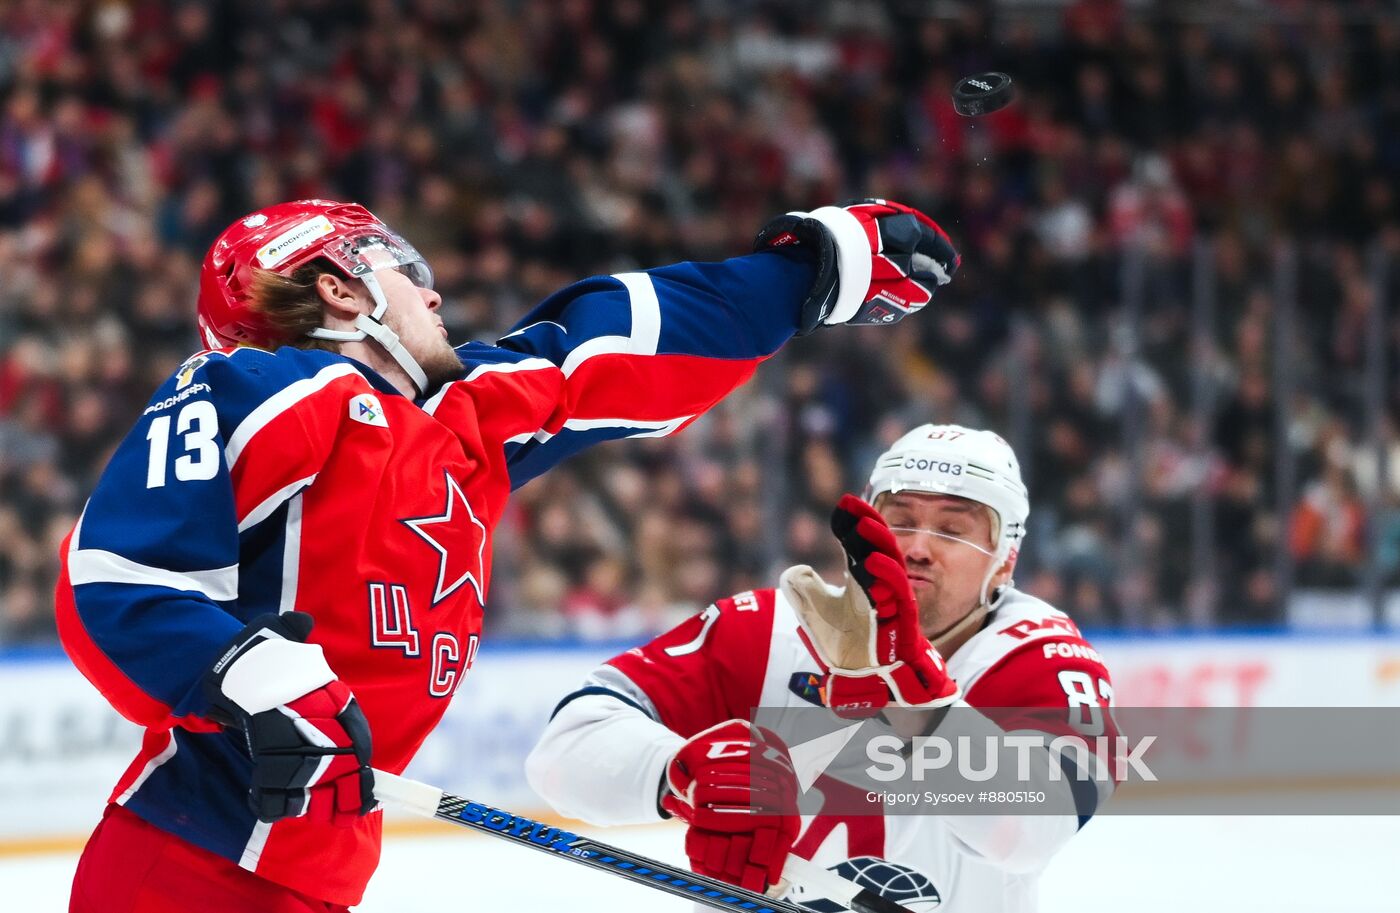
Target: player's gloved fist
(308,738)
(866,636)
(877,260)
(735,786)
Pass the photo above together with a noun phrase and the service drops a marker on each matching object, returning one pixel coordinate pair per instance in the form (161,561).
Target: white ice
(1115,865)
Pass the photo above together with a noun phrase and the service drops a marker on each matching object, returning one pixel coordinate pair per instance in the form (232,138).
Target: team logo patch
(890,880)
(186,372)
(367,410)
(808,686)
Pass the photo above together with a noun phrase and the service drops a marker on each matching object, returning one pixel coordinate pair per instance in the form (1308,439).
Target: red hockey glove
(734,785)
(872,650)
(877,261)
(307,737)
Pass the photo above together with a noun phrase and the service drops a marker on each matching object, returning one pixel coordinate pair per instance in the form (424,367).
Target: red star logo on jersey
(459,538)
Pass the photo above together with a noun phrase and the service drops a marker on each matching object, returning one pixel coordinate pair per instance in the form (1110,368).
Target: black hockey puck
(982,94)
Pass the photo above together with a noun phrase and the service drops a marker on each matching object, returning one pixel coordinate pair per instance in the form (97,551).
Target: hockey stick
(431,802)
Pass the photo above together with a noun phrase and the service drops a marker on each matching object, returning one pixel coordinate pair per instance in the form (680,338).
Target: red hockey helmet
(282,238)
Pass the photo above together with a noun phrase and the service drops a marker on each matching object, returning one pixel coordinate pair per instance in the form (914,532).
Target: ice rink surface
(1115,865)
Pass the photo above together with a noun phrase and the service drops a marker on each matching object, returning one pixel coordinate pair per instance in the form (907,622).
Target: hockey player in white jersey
(664,729)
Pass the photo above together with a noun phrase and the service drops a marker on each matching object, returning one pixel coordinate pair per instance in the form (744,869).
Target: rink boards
(62,747)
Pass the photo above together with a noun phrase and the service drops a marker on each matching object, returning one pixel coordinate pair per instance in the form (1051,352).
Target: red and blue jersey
(300,480)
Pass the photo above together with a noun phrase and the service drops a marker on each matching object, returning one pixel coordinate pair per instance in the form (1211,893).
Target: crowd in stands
(1154,159)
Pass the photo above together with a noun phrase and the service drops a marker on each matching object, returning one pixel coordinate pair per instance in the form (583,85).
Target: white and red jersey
(603,754)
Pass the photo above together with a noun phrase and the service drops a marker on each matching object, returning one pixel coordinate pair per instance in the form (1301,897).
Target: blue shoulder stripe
(1084,789)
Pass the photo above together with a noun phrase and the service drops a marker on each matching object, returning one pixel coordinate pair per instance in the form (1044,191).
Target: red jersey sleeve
(636,354)
(709,668)
(1057,685)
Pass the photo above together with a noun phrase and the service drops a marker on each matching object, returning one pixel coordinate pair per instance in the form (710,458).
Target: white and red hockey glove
(307,737)
(866,636)
(878,261)
(734,785)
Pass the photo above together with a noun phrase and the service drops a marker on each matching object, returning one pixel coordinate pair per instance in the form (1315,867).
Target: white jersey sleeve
(602,755)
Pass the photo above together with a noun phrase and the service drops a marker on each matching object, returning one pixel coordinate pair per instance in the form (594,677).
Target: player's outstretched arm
(642,354)
(601,757)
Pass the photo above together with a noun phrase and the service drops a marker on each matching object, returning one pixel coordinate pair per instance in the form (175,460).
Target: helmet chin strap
(985,597)
(998,559)
(970,620)
(372,326)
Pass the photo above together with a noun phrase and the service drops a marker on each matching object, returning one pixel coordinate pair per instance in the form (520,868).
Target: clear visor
(903,534)
(375,251)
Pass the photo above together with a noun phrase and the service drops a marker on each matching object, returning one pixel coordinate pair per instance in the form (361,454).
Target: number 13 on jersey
(196,426)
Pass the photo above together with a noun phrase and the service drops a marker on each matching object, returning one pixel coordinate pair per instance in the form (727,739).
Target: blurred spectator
(526,144)
(1328,531)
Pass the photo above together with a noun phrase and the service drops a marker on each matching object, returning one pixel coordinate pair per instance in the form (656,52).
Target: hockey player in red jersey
(282,572)
(928,619)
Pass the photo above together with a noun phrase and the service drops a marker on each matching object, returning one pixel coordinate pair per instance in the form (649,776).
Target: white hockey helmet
(965,462)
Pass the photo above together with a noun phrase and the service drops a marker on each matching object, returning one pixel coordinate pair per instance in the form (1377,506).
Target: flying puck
(982,94)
